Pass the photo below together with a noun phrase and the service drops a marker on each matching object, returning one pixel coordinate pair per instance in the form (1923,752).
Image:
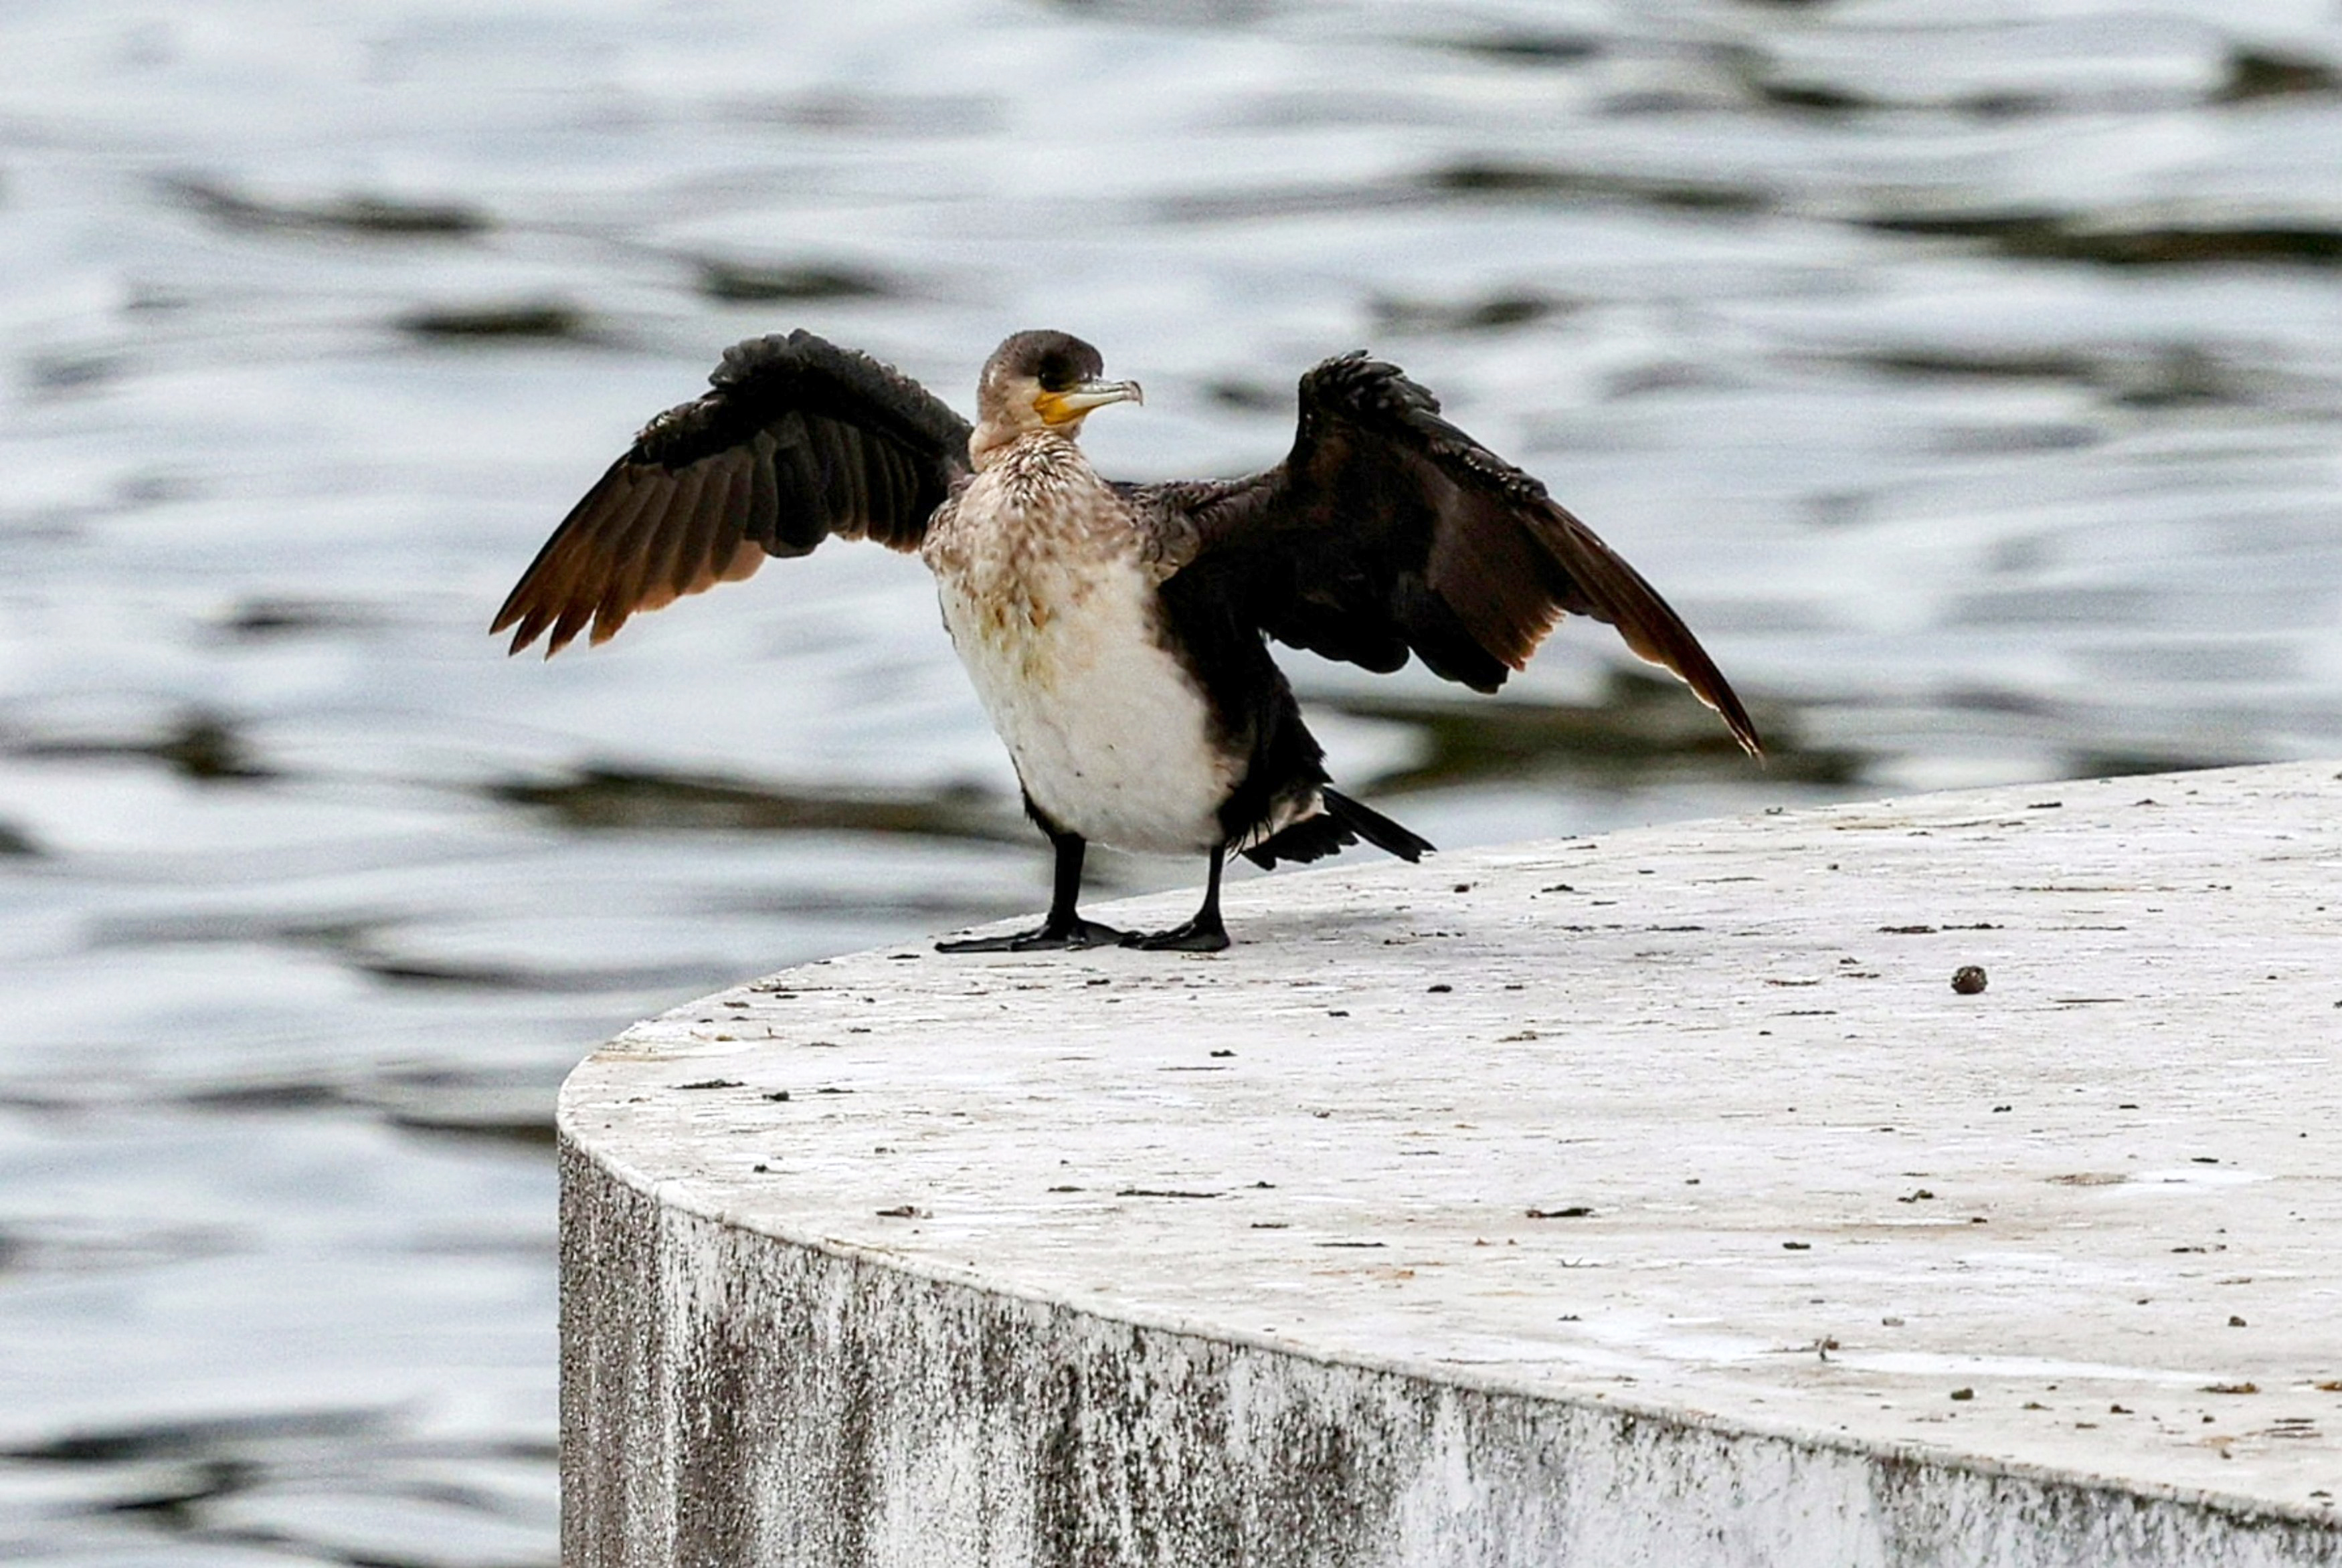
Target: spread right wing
(797,440)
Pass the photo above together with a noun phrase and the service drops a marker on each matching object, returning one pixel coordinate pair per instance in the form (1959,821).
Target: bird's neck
(1042,489)
(1039,446)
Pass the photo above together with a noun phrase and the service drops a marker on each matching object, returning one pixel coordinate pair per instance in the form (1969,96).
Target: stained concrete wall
(762,1368)
(729,1398)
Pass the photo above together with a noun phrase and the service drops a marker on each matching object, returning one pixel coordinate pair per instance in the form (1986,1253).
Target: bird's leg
(1203,932)
(1063,928)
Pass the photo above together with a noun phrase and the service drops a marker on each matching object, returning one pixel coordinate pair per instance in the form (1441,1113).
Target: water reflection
(1966,381)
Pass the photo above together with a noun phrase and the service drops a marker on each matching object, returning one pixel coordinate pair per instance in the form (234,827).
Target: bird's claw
(1057,937)
(1195,936)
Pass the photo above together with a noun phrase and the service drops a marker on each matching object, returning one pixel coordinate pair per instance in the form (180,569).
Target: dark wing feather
(797,440)
(1388,531)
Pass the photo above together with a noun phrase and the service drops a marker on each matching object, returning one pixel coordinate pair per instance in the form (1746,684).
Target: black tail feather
(1375,828)
(1343,822)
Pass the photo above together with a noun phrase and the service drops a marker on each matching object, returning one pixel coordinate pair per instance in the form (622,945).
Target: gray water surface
(1966,375)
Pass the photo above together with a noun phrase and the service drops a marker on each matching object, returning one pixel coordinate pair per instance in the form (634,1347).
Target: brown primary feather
(1492,573)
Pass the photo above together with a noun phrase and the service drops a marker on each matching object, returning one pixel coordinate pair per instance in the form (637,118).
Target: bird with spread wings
(1117,634)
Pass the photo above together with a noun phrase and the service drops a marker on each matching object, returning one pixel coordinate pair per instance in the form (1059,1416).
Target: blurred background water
(1966,375)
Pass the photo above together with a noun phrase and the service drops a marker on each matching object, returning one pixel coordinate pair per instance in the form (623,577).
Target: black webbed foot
(1198,935)
(1203,932)
(1063,929)
(1056,936)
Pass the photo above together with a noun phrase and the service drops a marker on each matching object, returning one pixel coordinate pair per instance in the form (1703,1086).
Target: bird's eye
(1056,375)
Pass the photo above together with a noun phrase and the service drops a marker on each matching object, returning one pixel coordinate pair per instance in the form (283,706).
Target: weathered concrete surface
(1130,1258)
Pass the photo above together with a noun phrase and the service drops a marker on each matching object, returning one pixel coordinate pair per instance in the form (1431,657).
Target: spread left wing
(1387,532)
(797,440)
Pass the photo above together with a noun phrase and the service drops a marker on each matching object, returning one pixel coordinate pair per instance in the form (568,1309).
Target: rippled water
(1969,383)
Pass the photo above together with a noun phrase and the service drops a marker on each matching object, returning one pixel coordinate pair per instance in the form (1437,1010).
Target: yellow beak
(1061,408)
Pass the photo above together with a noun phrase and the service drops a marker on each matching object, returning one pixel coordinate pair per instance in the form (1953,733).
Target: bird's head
(1041,381)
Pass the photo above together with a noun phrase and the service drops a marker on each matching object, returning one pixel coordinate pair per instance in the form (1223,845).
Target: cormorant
(1115,633)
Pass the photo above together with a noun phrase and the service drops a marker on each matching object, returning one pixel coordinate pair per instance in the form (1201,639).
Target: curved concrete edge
(734,1396)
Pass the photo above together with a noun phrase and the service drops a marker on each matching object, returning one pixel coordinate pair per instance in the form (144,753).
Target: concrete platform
(1648,1199)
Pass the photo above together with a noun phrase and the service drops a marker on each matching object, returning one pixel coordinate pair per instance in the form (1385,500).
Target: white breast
(1110,736)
